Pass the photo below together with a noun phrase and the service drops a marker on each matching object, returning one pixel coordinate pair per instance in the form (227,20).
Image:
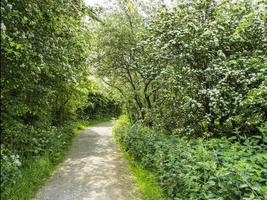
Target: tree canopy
(189,73)
(196,69)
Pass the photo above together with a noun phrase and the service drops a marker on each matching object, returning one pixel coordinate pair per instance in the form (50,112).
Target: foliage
(21,178)
(215,61)
(44,82)
(10,164)
(198,168)
(44,73)
(146,182)
(99,105)
(113,58)
(33,174)
(198,69)
(195,71)
(50,142)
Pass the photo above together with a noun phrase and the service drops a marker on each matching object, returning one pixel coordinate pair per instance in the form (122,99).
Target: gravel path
(93,170)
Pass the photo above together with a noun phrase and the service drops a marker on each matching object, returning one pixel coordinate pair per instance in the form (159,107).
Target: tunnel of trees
(190,79)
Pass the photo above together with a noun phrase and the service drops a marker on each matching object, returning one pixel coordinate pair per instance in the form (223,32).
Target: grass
(33,175)
(145,181)
(35,172)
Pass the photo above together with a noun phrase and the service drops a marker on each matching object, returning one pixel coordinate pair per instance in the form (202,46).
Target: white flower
(10,6)
(3,26)
(17,162)
(23,35)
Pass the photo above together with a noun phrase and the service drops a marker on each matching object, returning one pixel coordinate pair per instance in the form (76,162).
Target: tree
(189,69)
(44,70)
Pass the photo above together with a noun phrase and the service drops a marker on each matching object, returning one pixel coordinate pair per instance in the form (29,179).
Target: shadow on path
(93,170)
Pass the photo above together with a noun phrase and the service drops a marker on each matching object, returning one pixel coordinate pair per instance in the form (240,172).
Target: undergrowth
(145,180)
(198,168)
(23,181)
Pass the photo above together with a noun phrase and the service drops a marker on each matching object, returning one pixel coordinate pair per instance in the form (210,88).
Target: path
(93,170)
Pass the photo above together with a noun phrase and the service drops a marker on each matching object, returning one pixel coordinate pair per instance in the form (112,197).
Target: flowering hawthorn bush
(213,74)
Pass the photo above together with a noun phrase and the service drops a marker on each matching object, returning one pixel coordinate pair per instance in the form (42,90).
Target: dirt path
(93,170)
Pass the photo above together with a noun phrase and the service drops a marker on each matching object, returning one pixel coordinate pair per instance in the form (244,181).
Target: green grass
(33,175)
(35,172)
(145,181)
(147,184)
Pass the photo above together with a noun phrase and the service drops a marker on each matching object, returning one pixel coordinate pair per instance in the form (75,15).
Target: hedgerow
(44,82)
(198,168)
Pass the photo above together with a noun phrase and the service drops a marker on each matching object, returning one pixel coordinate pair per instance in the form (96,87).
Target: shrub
(214,75)
(198,168)
(10,163)
(198,69)
(99,105)
(34,143)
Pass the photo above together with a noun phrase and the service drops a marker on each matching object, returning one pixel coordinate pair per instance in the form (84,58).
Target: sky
(102,3)
(112,3)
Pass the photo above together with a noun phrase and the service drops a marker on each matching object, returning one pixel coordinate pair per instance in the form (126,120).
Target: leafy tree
(191,69)
(44,70)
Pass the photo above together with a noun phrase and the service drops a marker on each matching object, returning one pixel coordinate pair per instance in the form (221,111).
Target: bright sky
(103,3)
(112,3)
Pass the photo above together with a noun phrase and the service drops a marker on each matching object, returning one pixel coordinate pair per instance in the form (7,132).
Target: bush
(99,105)
(198,168)
(198,69)
(214,75)
(10,163)
(38,142)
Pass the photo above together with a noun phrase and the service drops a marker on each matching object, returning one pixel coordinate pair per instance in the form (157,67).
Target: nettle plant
(197,168)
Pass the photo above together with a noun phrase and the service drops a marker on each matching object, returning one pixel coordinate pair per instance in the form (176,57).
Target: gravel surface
(94,169)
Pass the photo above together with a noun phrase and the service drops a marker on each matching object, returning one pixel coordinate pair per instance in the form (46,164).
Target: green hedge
(198,168)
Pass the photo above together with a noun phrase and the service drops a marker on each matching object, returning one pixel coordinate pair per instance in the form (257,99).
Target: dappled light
(93,169)
(185,82)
